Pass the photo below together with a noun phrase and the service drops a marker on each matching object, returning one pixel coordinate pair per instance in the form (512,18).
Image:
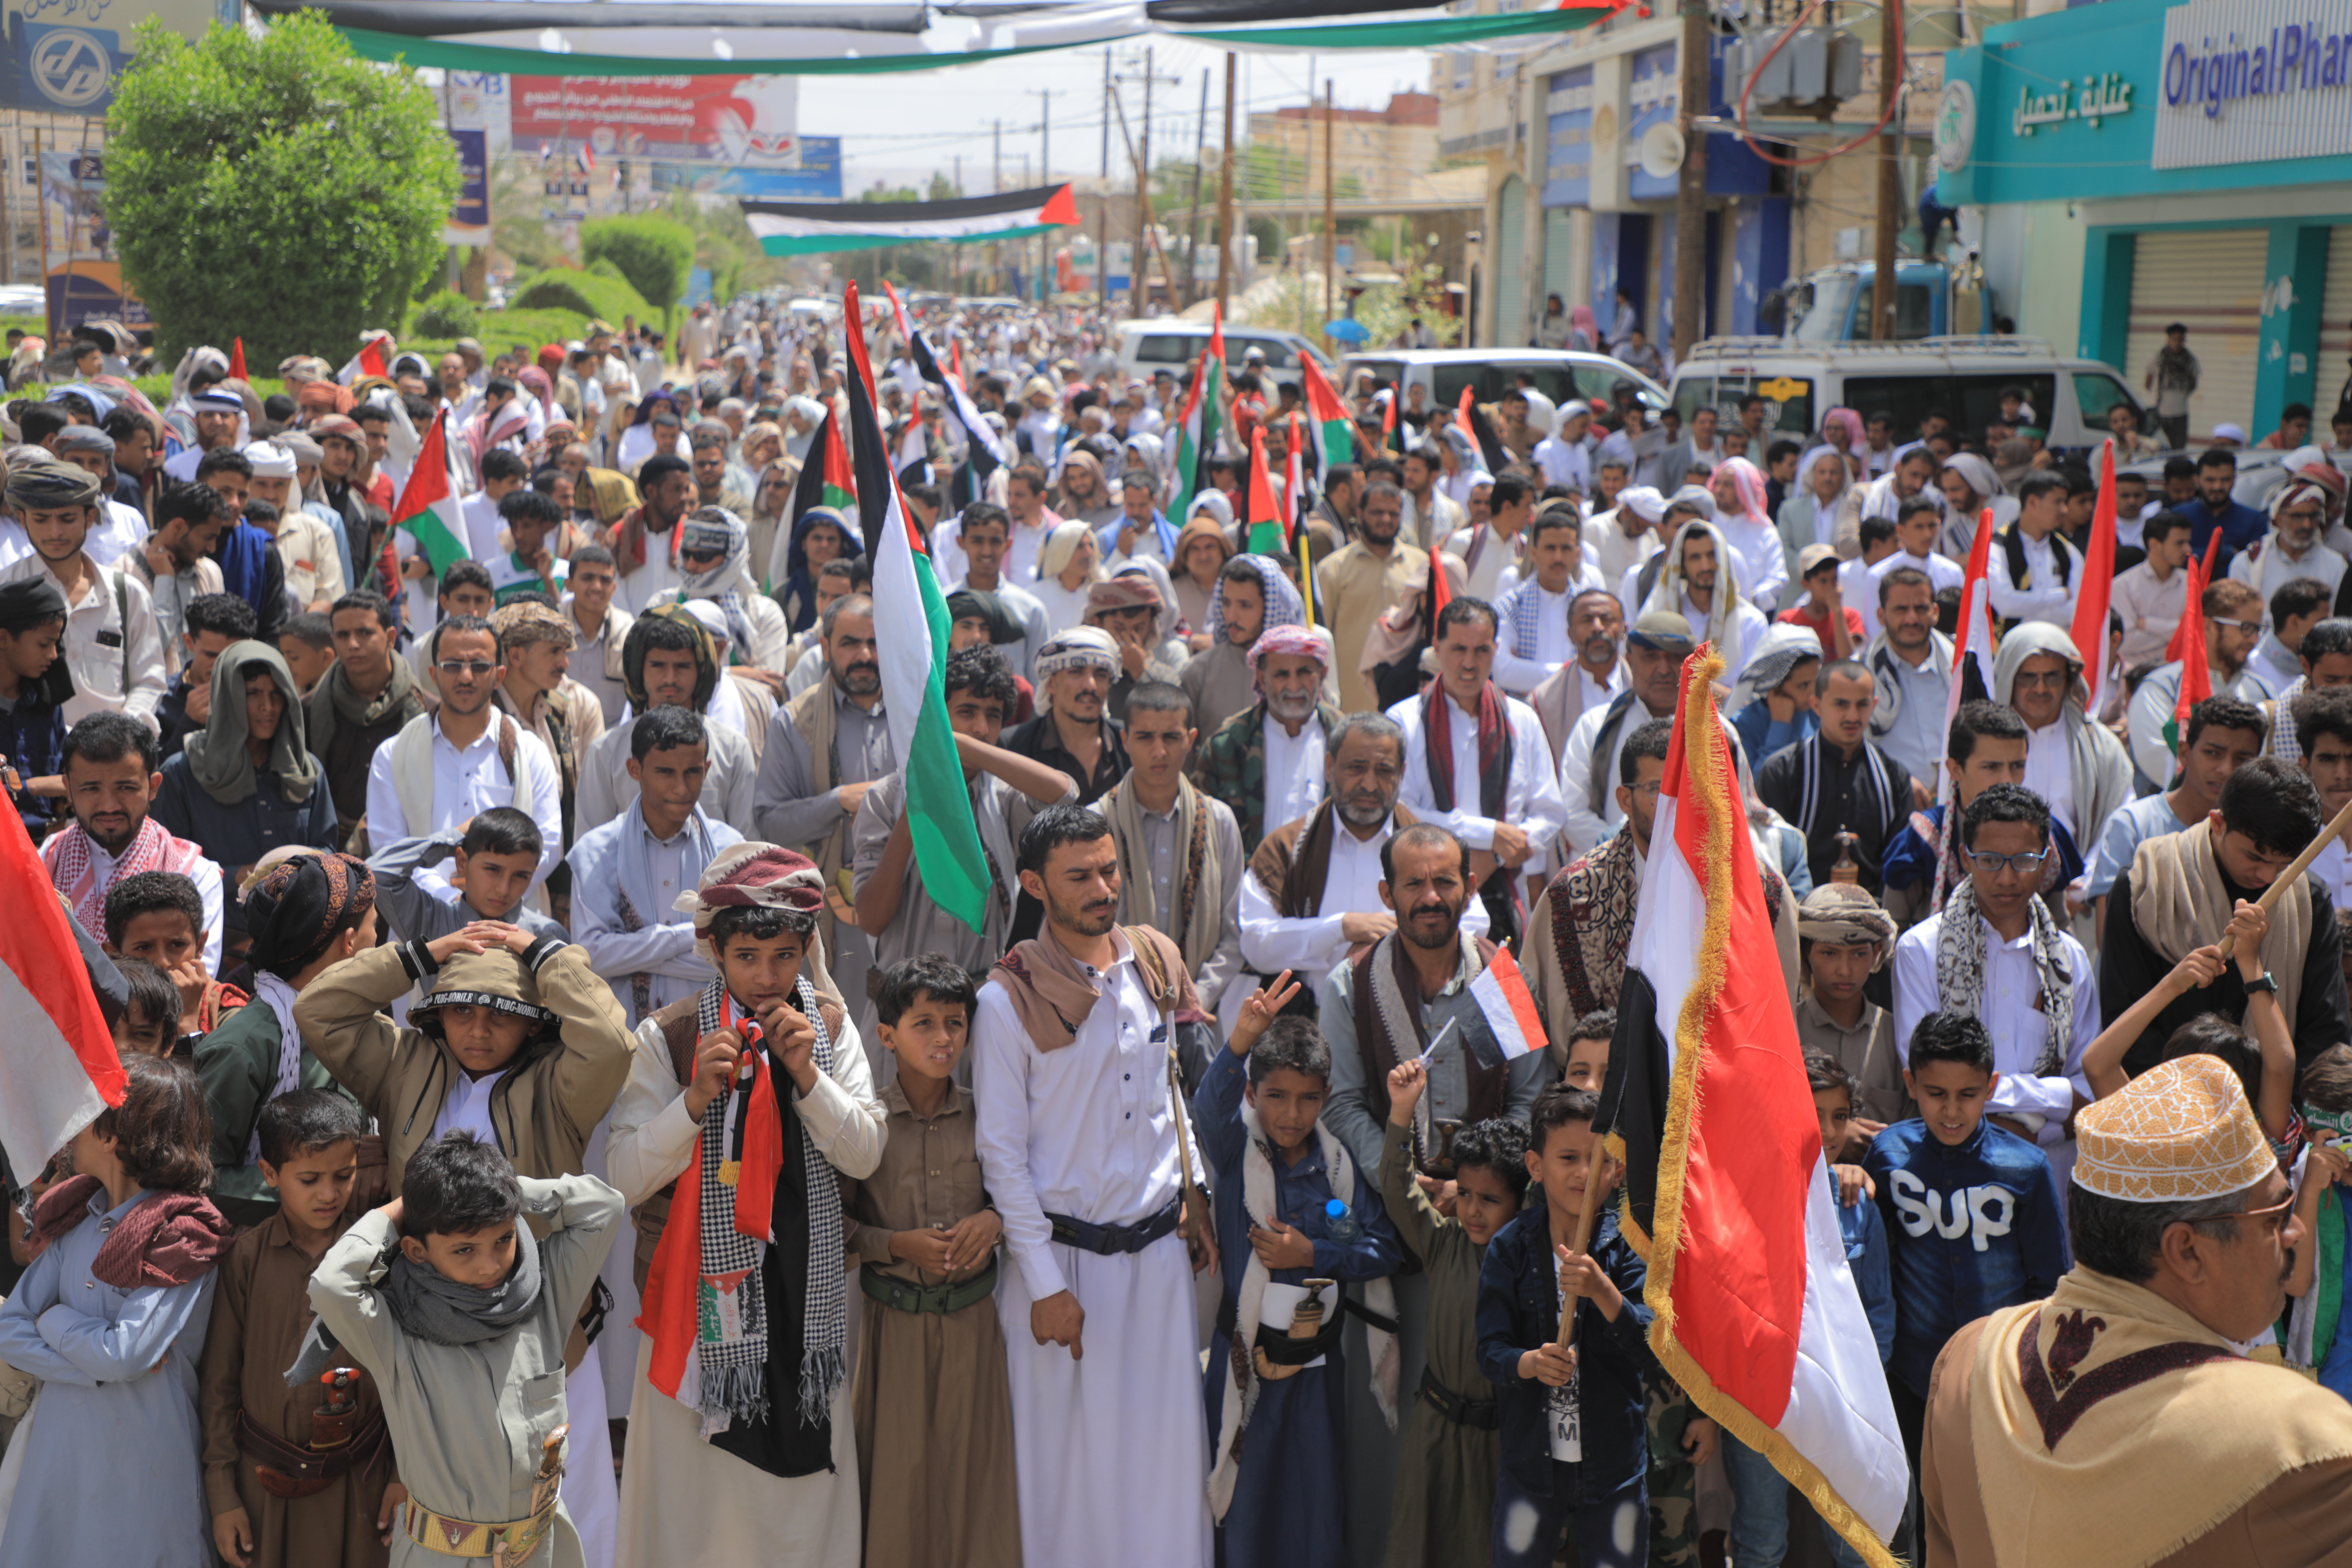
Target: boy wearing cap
(518,1043)
(112,646)
(745,1104)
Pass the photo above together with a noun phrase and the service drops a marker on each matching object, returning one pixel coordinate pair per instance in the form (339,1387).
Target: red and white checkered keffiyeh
(1285,642)
(755,876)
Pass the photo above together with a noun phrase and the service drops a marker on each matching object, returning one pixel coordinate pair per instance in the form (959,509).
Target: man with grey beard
(1312,894)
(1266,761)
(824,748)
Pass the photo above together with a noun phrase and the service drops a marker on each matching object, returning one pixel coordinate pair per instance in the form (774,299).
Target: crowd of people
(561,1125)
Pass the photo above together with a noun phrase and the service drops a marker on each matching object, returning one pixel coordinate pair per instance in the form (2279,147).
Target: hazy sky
(898,129)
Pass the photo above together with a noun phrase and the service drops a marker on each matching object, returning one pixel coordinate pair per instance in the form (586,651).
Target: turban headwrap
(270,460)
(1286,642)
(755,876)
(48,484)
(1080,648)
(524,623)
(303,904)
(1843,915)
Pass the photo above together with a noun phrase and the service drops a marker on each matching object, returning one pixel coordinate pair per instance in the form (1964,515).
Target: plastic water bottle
(1339,1225)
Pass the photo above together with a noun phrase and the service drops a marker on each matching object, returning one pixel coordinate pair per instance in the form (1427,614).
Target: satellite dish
(1661,150)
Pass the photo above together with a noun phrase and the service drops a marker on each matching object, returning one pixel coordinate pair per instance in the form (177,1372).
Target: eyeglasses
(2024,860)
(2274,1213)
(684,555)
(2054,678)
(2240,626)
(464,667)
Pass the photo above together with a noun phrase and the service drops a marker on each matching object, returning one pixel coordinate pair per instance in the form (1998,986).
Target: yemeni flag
(811,229)
(950,863)
(1335,434)
(2098,577)
(1727,1196)
(1267,534)
(428,507)
(57,1065)
(1972,649)
(1513,1023)
(1198,432)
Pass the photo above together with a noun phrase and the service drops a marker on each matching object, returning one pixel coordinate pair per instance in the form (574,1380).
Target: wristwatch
(2268,982)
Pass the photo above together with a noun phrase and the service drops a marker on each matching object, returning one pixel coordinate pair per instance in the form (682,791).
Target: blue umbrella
(1346,329)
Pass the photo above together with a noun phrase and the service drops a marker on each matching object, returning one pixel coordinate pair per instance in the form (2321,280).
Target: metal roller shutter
(2212,283)
(2328,381)
(1511,321)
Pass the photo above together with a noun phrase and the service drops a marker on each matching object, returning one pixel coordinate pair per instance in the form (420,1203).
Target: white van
(1559,374)
(1146,348)
(1961,378)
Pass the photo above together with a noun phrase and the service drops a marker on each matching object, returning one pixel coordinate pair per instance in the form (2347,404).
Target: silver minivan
(1146,348)
(1559,374)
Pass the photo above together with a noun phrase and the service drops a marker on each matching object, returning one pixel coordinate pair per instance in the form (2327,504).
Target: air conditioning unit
(1814,72)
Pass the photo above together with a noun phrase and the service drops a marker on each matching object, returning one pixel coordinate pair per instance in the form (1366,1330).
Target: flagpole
(1585,1220)
(2293,874)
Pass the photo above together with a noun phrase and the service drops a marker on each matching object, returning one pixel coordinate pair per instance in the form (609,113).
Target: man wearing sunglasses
(2119,1421)
(1995,951)
(2233,626)
(2177,897)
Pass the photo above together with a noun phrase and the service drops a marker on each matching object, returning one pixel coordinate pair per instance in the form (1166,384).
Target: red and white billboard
(747,121)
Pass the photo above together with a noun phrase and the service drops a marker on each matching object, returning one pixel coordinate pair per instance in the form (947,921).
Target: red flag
(237,358)
(2098,579)
(371,358)
(1462,415)
(1267,536)
(1441,591)
(2195,674)
(58,1068)
(2200,572)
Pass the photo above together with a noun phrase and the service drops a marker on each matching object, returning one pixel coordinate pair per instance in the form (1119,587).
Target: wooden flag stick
(1586,1218)
(2293,873)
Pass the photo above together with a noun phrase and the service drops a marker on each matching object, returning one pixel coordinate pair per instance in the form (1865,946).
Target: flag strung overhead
(803,228)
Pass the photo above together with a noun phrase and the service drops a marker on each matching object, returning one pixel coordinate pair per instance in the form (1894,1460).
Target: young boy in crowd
(491,862)
(1442,1513)
(159,916)
(934,1413)
(295,1474)
(764,1465)
(1286,1196)
(34,687)
(149,1024)
(304,915)
(1575,1455)
(307,643)
(1759,1512)
(461,1317)
(1585,1054)
(1970,1209)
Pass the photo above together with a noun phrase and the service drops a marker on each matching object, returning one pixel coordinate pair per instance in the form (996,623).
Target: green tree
(653,253)
(275,186)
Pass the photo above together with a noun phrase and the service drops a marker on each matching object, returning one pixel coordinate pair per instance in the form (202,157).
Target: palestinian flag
(950,863)
(1727,1196)
(1335,434)
(428,507)
(1267,536)
(810,228)
(983,456)
(1197,432)
(2098,577)
(1474,424)
(826,477)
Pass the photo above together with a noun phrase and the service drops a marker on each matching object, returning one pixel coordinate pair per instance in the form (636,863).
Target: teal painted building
(2187,162)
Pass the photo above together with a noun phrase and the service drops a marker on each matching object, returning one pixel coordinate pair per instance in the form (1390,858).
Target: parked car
(1961,378)
(1559,374)
(1145,348)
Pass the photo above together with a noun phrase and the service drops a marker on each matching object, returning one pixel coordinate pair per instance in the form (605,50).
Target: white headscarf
(1722,613)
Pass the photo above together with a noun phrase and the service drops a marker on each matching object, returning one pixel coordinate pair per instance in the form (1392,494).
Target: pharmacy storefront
(2189,163)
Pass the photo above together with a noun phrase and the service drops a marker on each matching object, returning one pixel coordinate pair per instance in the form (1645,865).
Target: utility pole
(1225,197)
(1690,190)
(1882,288)
(1193,210)
(1331,232)
(1102,211)
(1143,192)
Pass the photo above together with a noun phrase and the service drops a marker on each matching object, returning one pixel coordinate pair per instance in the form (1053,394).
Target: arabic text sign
(747,121)
(64,56)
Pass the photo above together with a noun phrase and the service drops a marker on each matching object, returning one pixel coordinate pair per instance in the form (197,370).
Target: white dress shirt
(2332,867)
(1530,796)
(2044,597)
(465,785)
(2050,771)
(467,1108)
(1554,645)
(1584,829)
(1309,946)
(2012,992)
(97,667)
(1295,766)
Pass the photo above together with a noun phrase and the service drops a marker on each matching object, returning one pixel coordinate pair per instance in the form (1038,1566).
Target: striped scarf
(1960,965)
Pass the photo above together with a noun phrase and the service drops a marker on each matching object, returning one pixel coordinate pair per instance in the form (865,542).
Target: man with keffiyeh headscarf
(1700,581)
(714,557)
(1251,596)
(739,1428)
